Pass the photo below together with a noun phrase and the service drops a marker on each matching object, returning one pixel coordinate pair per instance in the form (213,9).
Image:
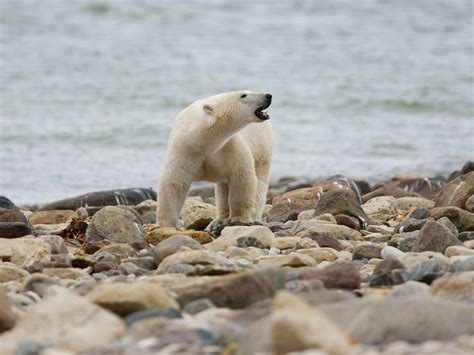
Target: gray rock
(465,265)
(428,270)
(57,244)
(445,221)
(198,305)
(410,225)
(118,225)
(13,223)
(170,313)
(412,318)
(469,205)
(246,241)
(410,288)
(367,251)
(434,237)
(146,262)
(468,235)
(172,244)
(387,272)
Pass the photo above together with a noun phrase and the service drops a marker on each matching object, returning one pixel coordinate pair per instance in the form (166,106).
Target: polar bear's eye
(243,95)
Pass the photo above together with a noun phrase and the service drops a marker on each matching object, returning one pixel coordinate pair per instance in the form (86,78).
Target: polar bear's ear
(208,109)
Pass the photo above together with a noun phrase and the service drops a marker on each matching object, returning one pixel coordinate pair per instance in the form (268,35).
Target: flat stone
(87,325)
(458,250)
(126,298)
(52,217)
(336,275)
(434,237)
(200,262)
(291,260)
(230,235)
(296,326)
(407,203)
(156,234)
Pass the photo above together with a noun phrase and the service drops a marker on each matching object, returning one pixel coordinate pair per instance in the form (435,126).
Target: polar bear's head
(242,106)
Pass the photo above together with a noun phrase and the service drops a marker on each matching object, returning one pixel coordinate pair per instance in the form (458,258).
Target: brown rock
(121,250)
(13,223)
(456,192)
(57,244)
(326,241)
(434,237)
(197,215)
(367,251)
(426,187)
(288,205)
(463,220)
(454,287)
(340,201)
(7,317)
(52,217)
(155,234)
(234,290)
(337,275)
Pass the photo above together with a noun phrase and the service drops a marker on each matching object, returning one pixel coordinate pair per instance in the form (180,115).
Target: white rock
(389,252)
(285,242)
(458,250)
(381,205)
(24,251)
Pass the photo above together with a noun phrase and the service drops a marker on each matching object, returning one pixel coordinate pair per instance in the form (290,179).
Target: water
(89,89)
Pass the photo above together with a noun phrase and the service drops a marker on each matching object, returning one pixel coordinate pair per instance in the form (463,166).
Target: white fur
(218,139)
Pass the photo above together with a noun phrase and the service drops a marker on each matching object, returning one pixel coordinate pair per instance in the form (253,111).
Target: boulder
(434,237)
(118,225)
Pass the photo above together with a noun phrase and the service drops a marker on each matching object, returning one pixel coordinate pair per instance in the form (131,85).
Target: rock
(407,203)
(420,213)
(50,229)
(340,201)
(406,241)
(410,288)
(38,283)
(52,217)
(120,250)
(87,325)
(308,214)
(320,254)
(291,260)
(283,243)
(118,225)
(454,288)
(367,251)
(387,272)
(9,272)
(200,262)
(57,244)
(469,205)
(313,230)
(434,237)
(351,222)
(389,190)
(428,270)
(426,187)
(145,207)
(156,234)
(336,275)
(458,250)
(197,215)
(169,313)
(296,326)
(198,305)
(381,208)
(234,291)
(143,262)
(67,273)
(445,221)
(13,222)
(466,264)
(464,236)
(457,191)
(125,298)
(204,192)
(411,318)
(327,241)
(24,251)
(410,225)
(172,244)
(463,220)
(7,317)
(230,235)
(389,252)
(95,201)
(246,242)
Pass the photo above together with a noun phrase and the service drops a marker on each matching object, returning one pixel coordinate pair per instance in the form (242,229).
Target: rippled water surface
(89,89)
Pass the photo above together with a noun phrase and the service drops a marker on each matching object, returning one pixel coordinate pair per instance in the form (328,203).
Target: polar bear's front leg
(242,191)
(222,201)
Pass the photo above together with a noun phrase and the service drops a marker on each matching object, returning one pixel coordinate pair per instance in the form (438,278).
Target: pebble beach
(339,266)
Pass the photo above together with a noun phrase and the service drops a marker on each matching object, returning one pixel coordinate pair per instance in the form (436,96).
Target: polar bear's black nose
(268,96)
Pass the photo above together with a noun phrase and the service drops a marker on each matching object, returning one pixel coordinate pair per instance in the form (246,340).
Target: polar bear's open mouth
(263,115)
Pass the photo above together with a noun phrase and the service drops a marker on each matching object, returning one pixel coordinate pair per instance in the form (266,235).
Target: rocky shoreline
(338,267)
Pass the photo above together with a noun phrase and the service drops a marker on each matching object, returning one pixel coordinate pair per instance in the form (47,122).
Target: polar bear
(226,139)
